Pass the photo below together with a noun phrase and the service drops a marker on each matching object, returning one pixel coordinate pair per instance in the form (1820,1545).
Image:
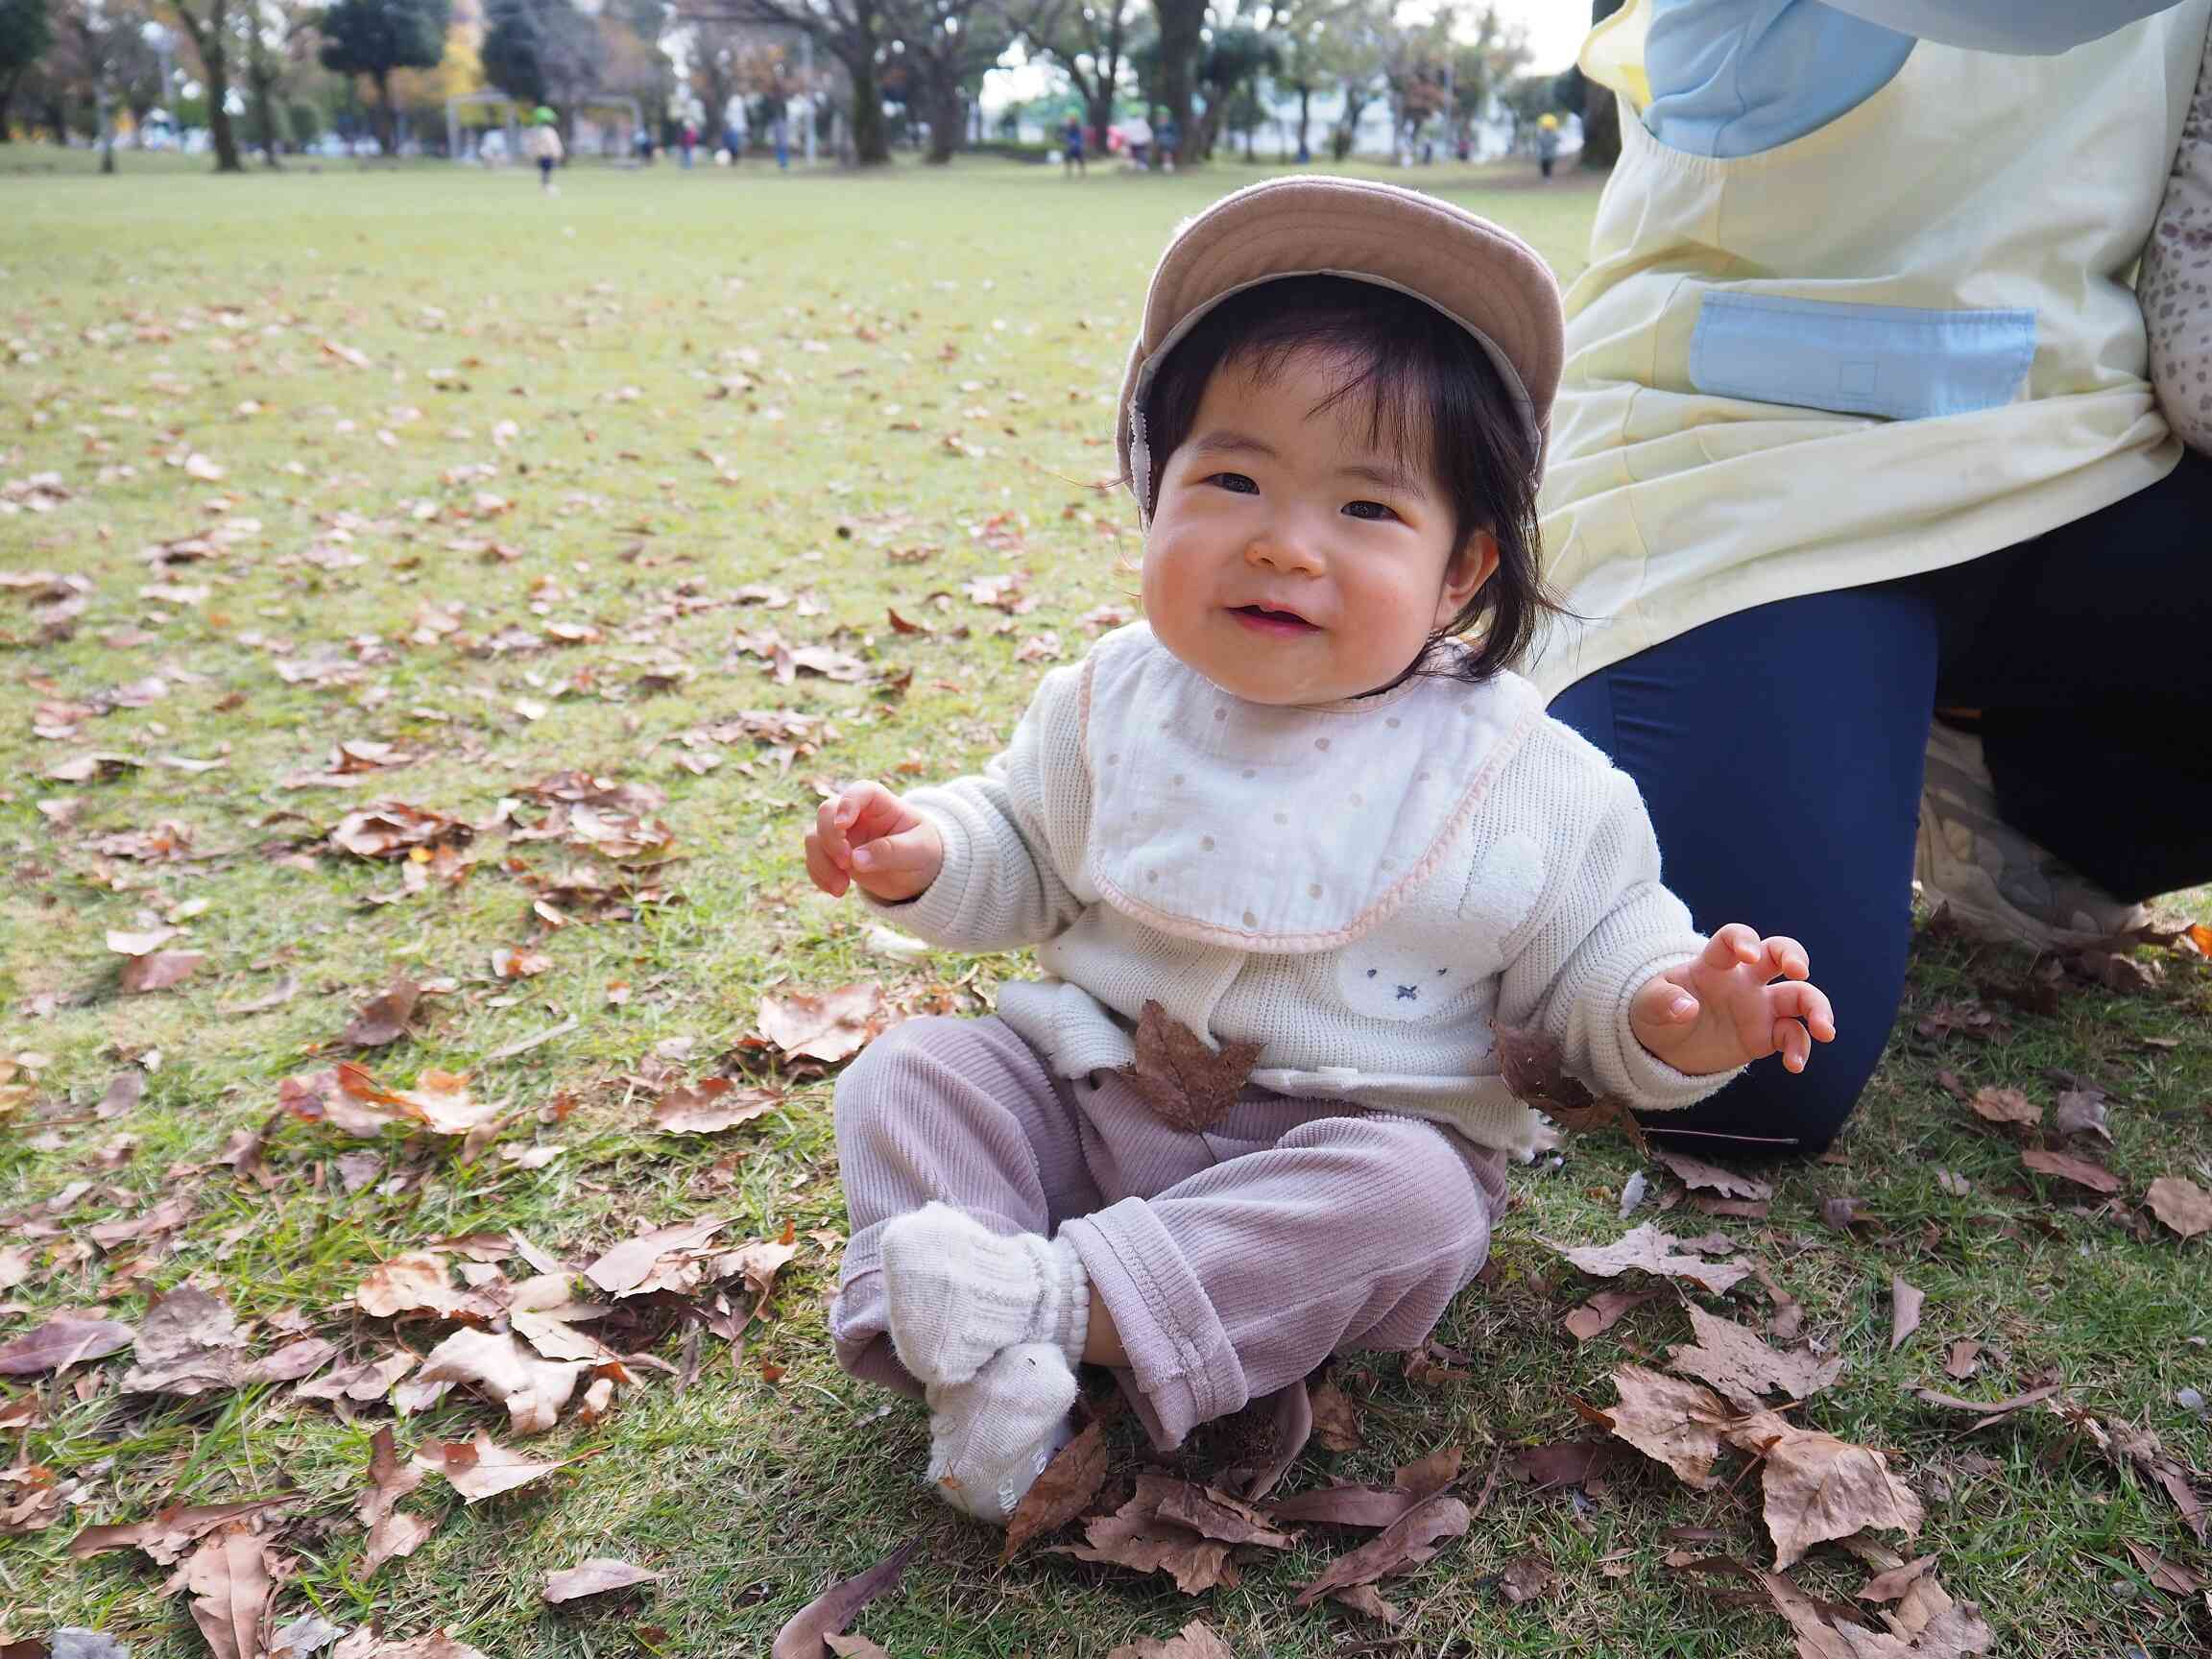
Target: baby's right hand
(867,834)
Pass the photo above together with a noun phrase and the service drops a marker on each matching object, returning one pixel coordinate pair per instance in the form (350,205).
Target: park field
(411,582)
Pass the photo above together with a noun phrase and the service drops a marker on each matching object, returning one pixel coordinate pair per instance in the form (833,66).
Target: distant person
(689,139)
(644,146)
(1547,142)
(1071,149)
(779,129)
(1164,138)
(542,145)
(734,141)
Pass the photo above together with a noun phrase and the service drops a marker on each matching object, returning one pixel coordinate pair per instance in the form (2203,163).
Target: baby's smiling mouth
(1272,621)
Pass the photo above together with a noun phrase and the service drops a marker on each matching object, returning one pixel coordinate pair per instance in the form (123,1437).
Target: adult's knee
(1770,1112)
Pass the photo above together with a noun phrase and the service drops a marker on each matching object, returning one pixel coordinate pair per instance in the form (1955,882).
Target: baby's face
(1290,562)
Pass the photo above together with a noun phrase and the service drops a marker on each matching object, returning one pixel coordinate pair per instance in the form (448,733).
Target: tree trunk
(261,80)
(1181,22)
(870,138)
(1305,117)
(209,37)
(384,134)
(8,85)
(944,119)
(1098,110)
(1600,126)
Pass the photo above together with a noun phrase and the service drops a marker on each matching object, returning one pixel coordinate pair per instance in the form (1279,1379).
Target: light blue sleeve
(1738,77)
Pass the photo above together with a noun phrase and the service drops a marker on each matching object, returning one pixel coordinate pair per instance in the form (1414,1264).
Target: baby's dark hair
(1434,401)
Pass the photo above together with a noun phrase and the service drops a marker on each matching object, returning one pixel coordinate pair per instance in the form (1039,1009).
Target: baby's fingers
(1792,1045)
(822,871)
(1732,946)
(1786,957)
(1799,1000)
(829,821)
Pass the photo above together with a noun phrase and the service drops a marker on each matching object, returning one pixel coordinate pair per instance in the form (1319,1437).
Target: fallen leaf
(188,1344)
(62,1343)
(1700,1176)
(290,1363)
(1988,1410)
(2082,1112)
(2166,1573)
(709,1106)
(1534,1066)
(383,1018)
(595,1578)
(1888,1586)
(366,1382)
(309,1633)
(630,1264)
(229,1580)
(1169,1527)
(2183,1206)
(1406,1542)
(392,1531)
(1819,1487)
(1194,1640)
(1965,1358)
(2004,1106)
(504,1371)
(2066,1167)
(1185,1081)
(169,1534)
(1062,1492)
(1676,1422)
(1527,1578)
(160,969)
(416,1282)
(440,1101)
(1929,1627)
(366,1643)
(1350,1505)
(1904,1311)
(1568,1463)
(1649,1250)
(1743,1368)
(1604,1311)
(802,1636)
(1335,1418)
(827,1026)
(480,1468)
(1367,1600)
(851,1644)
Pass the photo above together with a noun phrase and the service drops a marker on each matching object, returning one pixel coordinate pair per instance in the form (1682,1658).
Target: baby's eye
(1372,510)
(1236,483)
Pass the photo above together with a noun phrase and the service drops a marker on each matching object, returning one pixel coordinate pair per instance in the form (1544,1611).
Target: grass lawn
(518,486)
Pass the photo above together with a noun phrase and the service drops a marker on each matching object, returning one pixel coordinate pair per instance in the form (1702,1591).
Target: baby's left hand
(1723,1010)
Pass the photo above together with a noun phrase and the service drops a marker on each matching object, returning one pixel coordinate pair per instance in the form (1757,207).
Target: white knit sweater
(1361,888)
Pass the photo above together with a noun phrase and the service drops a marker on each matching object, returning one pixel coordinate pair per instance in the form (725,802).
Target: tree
(1482,67)
(948,45)
(1182,25)
(857,33)
(1351,51)
(1600,110)
(26,31)
(1090,41)
(729,64)
(373,37)
(211,26)
(1238,56)
(541,52)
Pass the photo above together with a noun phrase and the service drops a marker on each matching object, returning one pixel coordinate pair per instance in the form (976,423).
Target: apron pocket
(1896,361)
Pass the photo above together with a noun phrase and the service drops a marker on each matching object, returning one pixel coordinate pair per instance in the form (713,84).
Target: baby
(1305,804)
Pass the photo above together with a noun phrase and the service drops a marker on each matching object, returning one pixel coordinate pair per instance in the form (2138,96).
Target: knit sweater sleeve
(1012,835)
(1608,927)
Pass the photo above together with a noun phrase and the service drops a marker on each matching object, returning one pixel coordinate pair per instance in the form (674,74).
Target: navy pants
(1780,749)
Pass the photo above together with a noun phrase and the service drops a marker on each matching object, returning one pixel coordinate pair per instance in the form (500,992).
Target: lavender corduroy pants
(1233,1261)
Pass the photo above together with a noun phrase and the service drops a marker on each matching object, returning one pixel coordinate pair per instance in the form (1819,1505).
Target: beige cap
(1486,279)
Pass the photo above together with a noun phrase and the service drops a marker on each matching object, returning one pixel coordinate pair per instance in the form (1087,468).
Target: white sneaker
(1996,882)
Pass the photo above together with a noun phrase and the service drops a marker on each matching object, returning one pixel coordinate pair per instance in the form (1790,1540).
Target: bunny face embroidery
(1427,964)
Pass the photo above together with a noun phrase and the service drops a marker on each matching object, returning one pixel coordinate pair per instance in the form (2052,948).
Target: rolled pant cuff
(1179,1353)
(858,1335)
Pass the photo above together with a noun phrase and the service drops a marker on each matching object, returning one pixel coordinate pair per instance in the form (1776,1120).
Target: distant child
(1305,804)
(542,143)
(1071,149)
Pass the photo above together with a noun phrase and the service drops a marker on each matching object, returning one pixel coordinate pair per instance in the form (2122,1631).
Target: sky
(1556,28)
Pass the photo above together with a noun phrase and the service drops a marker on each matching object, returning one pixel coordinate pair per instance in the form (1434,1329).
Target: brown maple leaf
(1187,1083)
(1534,1069)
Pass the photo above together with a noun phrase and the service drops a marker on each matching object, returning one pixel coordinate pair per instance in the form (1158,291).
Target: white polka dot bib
(1279,830)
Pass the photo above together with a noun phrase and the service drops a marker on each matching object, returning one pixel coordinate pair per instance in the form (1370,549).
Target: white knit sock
(991,1436)
(955,1294)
